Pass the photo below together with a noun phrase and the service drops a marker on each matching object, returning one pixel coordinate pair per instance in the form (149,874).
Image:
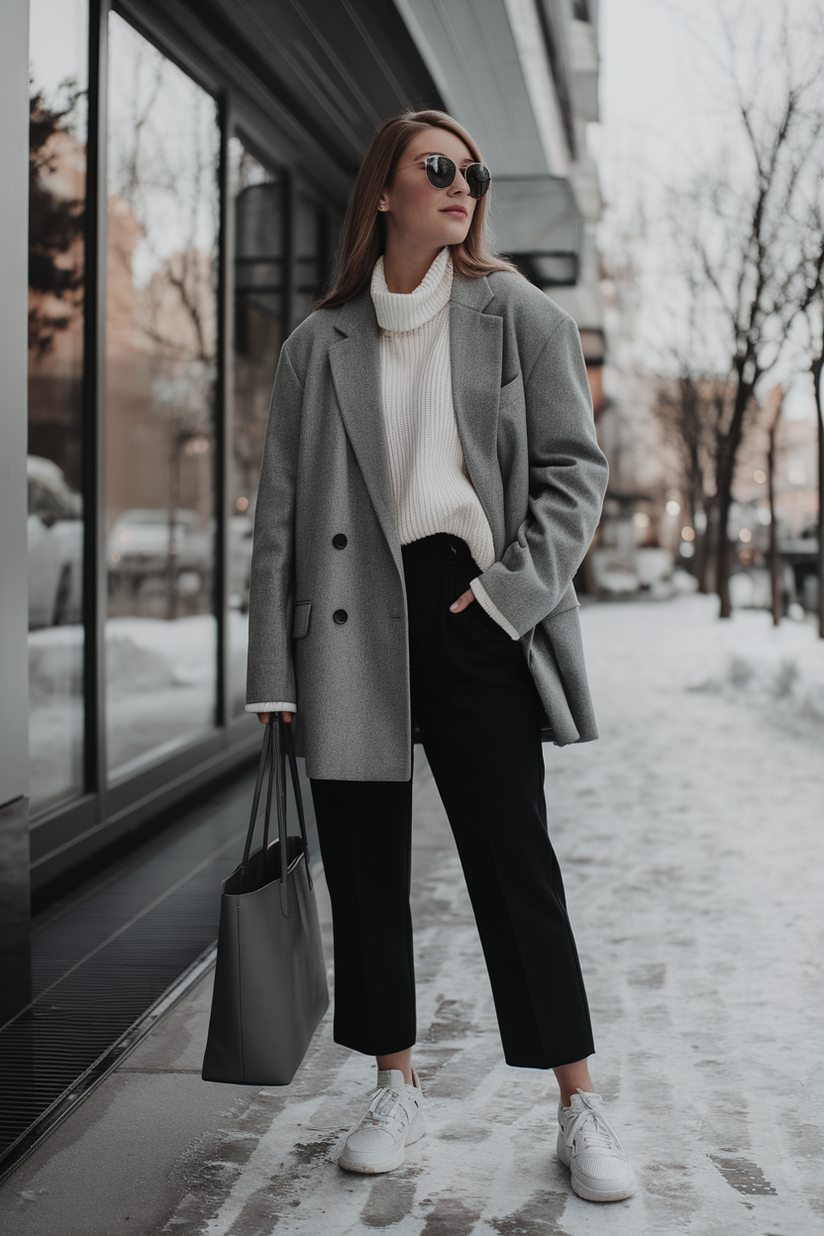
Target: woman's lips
(458,211)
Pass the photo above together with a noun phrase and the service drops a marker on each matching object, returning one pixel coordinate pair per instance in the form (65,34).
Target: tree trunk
(816,368)
(705,552)
(698,502)
(727,451)
(723,501)
(775,564)
(699,561)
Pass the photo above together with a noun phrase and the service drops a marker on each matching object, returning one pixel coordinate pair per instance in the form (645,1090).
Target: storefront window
(161,348)
(58,99)
(258,333)
(312,256)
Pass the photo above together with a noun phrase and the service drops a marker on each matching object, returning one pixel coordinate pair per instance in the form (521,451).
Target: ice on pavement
(691,841)
(692,847)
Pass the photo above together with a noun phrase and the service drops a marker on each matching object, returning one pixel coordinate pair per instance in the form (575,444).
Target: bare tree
(685,407)
(816,367)
(812,305)
(680,408)
(814,313)
(775,557)
(754,287)
(169,192)
(739,264)
(55,225)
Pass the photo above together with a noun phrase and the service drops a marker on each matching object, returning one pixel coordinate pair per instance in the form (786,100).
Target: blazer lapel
(476,344)
(476,349)
(355,363)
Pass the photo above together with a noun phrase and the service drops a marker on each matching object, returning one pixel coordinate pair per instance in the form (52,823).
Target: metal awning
(536,222)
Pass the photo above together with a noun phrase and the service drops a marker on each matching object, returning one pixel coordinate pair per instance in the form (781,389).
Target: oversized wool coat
(327,617)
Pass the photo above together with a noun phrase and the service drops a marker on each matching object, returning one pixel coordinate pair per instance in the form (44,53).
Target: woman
(429,486)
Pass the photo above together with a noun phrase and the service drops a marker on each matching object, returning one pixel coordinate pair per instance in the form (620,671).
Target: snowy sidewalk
(692,846)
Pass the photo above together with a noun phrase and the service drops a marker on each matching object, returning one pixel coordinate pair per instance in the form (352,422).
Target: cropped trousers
(479,717)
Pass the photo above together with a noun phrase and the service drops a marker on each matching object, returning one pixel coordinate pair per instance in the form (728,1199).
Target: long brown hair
(363,236)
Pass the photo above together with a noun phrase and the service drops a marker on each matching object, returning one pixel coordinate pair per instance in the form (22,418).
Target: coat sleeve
(567,482)
(270,671)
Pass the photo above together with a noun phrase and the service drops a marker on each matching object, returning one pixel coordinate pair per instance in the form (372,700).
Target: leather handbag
(270,978)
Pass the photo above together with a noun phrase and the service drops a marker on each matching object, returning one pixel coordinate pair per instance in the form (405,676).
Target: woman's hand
(455,608)
(462,602)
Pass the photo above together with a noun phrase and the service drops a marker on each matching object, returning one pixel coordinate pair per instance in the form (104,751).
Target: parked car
(147,557)
(55,542)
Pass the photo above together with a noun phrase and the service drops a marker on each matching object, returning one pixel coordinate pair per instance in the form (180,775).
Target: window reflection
(161,322)
(59,80)
(313,247)
(258,333)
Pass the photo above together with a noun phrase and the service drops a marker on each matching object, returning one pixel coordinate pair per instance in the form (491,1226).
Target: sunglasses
(441,173)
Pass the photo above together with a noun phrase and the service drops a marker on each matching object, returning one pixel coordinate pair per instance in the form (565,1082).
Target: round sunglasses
(441,173)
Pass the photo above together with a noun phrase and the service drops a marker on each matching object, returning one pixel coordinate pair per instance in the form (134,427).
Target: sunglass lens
(478,178)
(440,171)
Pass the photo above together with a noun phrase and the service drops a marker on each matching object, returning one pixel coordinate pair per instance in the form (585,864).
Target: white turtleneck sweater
(430,484)
(431,488)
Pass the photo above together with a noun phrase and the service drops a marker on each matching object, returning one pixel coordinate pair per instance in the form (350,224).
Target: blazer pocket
(300,622)
(511,391)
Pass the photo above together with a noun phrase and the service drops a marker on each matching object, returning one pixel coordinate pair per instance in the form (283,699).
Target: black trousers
(479,716)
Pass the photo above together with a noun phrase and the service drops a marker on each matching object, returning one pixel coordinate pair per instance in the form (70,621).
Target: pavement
(691,842)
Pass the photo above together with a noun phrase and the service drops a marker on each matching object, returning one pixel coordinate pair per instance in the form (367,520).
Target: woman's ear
(383,200)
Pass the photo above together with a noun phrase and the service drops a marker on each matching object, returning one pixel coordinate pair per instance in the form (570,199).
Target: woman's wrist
(279,706)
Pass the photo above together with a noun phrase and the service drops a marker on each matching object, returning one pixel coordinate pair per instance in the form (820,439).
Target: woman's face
(419,215)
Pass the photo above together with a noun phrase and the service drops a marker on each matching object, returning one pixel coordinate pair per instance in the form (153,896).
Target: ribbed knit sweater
(426,464)
(430,484)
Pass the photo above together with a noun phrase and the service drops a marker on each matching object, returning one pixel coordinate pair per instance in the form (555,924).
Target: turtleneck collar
(403,311)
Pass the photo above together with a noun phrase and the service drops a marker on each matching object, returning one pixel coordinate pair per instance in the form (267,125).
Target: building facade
(175,180)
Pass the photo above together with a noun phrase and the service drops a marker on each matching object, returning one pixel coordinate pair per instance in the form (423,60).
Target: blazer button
(340,616)
(339,541)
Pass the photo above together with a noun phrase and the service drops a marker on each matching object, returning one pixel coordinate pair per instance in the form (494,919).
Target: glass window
(259,319)
(58,95)
(161,348)
(312,251)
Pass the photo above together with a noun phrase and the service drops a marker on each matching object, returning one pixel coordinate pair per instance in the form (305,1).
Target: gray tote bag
(270,978)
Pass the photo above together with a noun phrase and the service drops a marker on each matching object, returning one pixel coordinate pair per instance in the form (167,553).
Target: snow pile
(749,659)
(147,654)
(55,663)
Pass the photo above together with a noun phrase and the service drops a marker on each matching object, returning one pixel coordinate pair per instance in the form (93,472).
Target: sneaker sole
(590,1195)
(619,1194)
(371,1169)
(416,1131)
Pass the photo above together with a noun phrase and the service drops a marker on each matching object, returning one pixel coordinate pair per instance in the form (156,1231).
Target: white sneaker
(392,1120)
(589,1146)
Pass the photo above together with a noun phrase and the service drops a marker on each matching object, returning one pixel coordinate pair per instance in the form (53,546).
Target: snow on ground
(144,653)
(161,692)
(691,842)
(692,846)
(750,659)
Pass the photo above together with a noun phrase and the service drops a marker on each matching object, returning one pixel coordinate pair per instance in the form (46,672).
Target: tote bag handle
(278,744)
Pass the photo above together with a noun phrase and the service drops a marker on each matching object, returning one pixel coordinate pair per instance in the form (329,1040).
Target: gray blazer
(327,624)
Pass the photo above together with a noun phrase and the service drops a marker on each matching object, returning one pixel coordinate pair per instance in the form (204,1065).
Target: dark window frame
(70,835)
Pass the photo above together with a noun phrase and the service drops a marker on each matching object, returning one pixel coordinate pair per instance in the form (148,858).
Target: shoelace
(383,1105)
(591,1127)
